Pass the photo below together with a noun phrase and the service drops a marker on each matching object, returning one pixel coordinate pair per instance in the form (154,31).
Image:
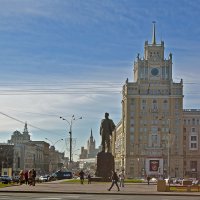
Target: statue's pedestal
(105,165)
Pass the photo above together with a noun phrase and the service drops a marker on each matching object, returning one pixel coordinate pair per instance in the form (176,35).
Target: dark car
(6,179)
(63,175)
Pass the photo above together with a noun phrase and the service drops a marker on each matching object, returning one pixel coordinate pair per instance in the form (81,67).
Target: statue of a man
(106,128)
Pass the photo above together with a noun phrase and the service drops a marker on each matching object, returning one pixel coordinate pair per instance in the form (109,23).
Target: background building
(21,153)
(156,136)
(6,158)
(91,150)
(87,158)
(191,142)
(17,137)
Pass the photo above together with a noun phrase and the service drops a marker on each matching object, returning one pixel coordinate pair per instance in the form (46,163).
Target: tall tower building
(148,139)
(91,150)
(91,144)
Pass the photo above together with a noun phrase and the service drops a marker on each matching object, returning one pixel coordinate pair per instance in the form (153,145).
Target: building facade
(191,142)
(6,158)
(149,138)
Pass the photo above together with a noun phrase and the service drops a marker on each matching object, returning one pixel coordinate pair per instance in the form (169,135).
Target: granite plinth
(105,165)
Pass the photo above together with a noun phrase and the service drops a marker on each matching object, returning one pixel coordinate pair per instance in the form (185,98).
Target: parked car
(63,175)
(44,178)
(153,180)
(15,179)
(6,179)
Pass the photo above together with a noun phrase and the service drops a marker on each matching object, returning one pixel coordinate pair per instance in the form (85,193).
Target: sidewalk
(94,188)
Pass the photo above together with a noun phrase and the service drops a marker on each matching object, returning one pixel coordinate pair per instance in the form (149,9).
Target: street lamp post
(168,158)
(70,133)
(138,162)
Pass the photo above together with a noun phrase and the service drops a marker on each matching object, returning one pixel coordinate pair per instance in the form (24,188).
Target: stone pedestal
(161,186)
(105,165)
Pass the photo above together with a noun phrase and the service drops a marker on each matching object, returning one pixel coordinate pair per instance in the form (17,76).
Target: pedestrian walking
(81,174)
(21,177)
(89,178)
(114,179)
(30,177)
(148,179)
(33,176)
(26,177)
(121,179)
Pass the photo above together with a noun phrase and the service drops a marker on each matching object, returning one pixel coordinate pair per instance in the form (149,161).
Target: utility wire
(23,122)
(64,88)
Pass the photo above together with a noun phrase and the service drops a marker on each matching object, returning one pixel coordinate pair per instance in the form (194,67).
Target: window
(154,139)
(154,105)
(193,130)
(193,145)
(165,105)
(193,142)
(193,166)
(193,138)
(132,101)
(143,104)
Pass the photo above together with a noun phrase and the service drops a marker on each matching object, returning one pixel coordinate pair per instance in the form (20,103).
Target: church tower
(25,134)
(91,144)
(152,116)
(18,138)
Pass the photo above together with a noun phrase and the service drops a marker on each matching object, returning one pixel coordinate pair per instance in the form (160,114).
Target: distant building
(91,150)
(18,138)
(28,154)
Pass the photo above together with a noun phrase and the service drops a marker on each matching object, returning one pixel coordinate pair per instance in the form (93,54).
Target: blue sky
(59,58)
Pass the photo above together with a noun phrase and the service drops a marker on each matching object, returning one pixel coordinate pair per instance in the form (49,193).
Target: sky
(65,58)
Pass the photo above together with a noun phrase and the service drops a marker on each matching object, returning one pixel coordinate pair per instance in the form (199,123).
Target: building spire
(25,129)
(154,33)
(91,133)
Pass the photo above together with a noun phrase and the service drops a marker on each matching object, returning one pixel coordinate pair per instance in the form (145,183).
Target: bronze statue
(106,128)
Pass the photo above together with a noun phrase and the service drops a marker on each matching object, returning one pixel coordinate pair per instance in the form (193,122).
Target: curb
(104,193)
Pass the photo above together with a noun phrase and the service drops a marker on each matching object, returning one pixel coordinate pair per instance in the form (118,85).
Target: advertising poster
(154,165)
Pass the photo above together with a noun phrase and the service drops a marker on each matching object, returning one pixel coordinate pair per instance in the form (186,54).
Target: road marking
(57,198)
(52,198)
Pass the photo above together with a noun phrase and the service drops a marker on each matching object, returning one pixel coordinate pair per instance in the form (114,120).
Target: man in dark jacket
(33,176)
(82,174)
(115,179)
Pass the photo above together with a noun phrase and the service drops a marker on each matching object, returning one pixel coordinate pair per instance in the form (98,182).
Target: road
(40,196)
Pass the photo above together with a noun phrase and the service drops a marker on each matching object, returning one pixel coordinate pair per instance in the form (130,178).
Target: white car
(44,178)
(153,180)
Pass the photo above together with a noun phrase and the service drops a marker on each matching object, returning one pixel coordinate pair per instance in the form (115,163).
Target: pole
(70,142)
(169,154)
(70,134)
(2,172)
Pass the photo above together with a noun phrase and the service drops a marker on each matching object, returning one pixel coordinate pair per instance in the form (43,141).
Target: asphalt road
(39,196)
